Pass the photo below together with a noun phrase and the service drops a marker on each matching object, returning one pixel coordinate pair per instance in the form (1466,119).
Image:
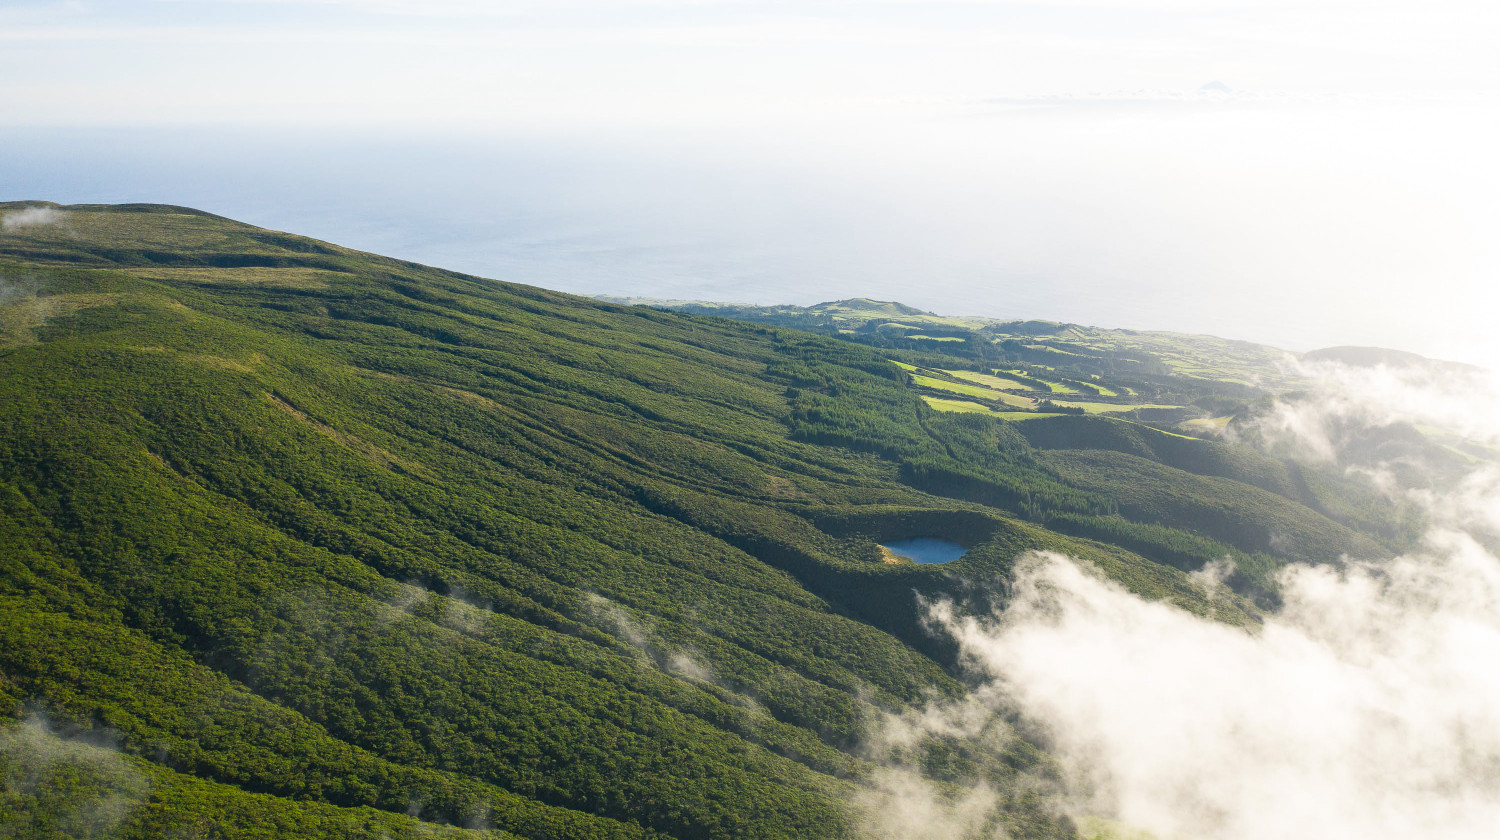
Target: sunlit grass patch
(1047,348)
(1099,389)
(989,380)
(1024,415)
(956,387)
(1055,387)
(972,391)
(1109,408)
(960,406)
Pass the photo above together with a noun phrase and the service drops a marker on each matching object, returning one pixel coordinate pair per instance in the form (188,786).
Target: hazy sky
(1039,159)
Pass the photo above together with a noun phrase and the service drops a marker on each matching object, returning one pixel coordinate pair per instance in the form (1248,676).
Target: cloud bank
(1367,706)
(1348,399)
(1364,708)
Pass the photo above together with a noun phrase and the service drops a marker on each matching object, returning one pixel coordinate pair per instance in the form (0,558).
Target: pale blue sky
(652,60)
(1047,159)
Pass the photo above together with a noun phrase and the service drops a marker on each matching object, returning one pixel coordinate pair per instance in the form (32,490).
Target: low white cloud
(899,801)
(686,663)
(28,217)
(622,624)
(1367,706)
(1346,399)
(17,288)
(1364,708)
(56,785)
(465,613)
(899,804)
(409,598)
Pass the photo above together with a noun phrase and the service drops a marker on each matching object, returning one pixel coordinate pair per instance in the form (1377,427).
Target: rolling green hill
(298,541)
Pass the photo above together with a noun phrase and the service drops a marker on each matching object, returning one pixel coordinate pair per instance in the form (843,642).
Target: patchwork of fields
(1173,381)
(941,388)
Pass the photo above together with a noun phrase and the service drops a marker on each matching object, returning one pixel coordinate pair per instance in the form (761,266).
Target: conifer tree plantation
(299,542)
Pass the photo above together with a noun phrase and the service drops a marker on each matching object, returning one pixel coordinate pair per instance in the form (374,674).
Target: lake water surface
(927,549)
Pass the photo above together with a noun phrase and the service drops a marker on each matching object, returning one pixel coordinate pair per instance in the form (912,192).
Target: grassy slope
(988,380)
(313,529)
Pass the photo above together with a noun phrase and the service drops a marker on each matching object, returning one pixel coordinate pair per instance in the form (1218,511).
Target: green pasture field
(1098,389)
(1024,415)
(1057,387)
(959,406)
(1109,408)
(972,391)
(997,382)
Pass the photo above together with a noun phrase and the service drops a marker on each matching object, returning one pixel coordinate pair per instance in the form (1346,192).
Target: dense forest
(297,541)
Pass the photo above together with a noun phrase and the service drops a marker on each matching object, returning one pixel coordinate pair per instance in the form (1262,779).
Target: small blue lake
(927,549)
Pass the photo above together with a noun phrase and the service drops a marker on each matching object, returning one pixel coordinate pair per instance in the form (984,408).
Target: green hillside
(1196,375)
(298,541)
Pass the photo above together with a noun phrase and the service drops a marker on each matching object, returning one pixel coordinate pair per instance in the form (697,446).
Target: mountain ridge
(349,546)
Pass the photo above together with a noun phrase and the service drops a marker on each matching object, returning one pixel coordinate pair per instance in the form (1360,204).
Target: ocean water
(1099,219)
(620,217)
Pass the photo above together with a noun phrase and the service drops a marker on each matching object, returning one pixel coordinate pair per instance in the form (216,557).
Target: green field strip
(1098,389)
(959,406)
(966,407)
(1108,408)
(971,391)
(1057,387)
(988,380)
(1024,415)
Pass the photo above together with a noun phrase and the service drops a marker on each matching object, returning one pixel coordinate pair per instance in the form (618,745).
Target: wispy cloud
(65,785)
(1346,399)
(29,217)
(684,662)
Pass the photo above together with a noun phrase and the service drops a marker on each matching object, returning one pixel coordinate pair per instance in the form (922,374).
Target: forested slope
(300,541)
